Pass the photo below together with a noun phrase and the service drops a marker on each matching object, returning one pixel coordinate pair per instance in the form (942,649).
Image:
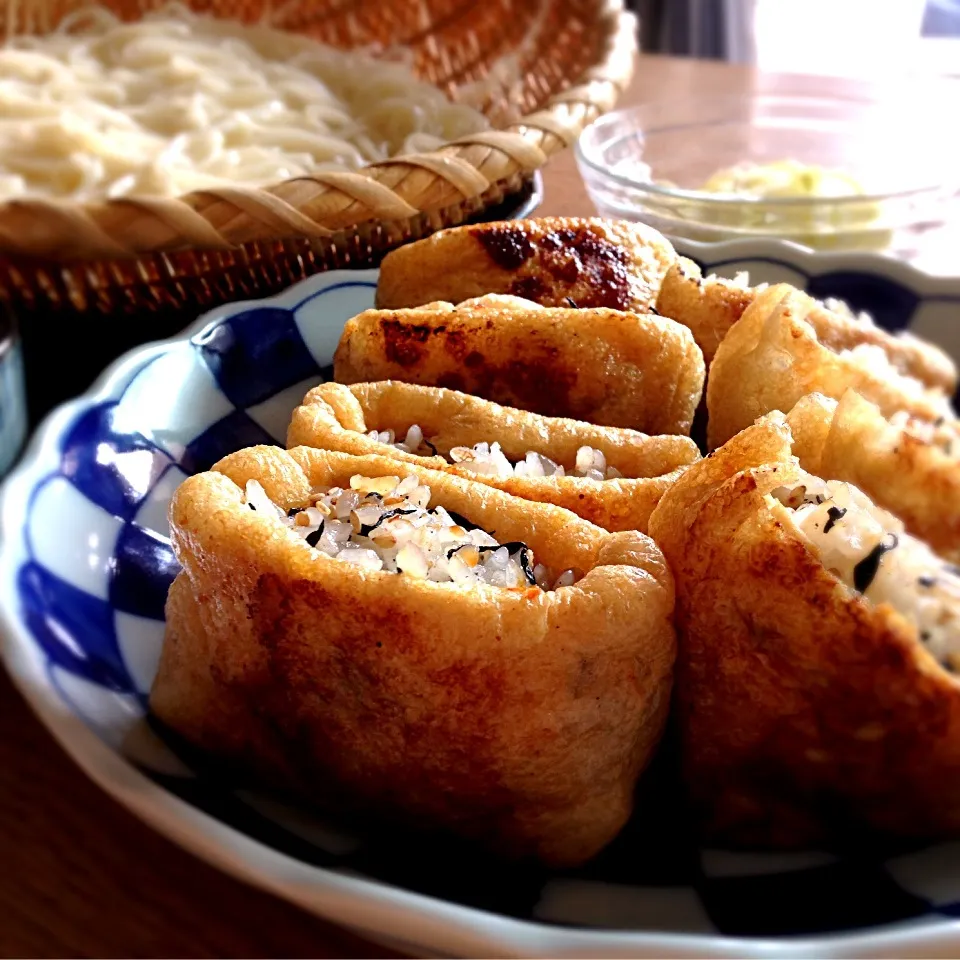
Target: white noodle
(179,101)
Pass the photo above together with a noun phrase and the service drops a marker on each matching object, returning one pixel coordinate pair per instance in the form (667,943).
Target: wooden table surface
(81,876)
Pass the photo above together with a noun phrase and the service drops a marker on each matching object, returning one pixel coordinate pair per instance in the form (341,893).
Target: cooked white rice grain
(842,308)
(256,498)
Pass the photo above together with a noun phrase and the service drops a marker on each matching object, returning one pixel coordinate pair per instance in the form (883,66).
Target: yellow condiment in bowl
(826,173)
(791,179)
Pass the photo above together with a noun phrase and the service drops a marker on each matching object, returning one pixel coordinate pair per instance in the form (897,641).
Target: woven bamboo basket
(97,278)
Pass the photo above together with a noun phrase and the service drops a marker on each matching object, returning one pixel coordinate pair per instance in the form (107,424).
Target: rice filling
(873,359)
(940,433)
(386,524)
(867,548)
(488,458)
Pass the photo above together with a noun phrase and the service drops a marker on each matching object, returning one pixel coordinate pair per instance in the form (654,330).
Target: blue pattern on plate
(233,432)
(809,901)
(112,468)
(145,568)
(887,302)
(258,354)
(74,628)
(652,878)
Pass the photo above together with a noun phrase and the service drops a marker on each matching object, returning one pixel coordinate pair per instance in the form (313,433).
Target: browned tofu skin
(601,366)
(774,355)
(551,261)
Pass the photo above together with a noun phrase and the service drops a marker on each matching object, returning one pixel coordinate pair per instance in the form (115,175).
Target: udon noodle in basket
(158,159)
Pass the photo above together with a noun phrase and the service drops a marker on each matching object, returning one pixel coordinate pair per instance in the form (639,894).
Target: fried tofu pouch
(596,263)
(337,417)
(904,466)
(773,356)
(804,711)
(601,366)
(518,718)
(711,306)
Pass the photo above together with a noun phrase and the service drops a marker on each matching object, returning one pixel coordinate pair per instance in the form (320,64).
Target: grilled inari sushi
(909,467)
(411,644)
(609,476)
(711,306)
(817,647)
(601,366)
(596,263)
(773,356)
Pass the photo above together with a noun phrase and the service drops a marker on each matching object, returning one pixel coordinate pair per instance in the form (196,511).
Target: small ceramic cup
(13,403)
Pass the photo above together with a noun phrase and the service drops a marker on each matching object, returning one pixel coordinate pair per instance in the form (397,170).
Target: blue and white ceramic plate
(84,571)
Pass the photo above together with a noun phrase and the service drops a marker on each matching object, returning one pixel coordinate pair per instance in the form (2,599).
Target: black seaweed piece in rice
(367,529)
(479,549)
(487,548)
(462,521)
(313,538)
(526,553)
(865,571)
(833,514)
(513,547)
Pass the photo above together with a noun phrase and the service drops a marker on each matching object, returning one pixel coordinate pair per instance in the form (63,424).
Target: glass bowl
(650,163)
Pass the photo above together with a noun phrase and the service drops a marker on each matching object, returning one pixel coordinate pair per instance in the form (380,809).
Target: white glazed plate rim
(817,262)
(371,907)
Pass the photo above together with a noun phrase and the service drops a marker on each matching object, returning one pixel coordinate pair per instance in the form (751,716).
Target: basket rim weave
(326,204)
